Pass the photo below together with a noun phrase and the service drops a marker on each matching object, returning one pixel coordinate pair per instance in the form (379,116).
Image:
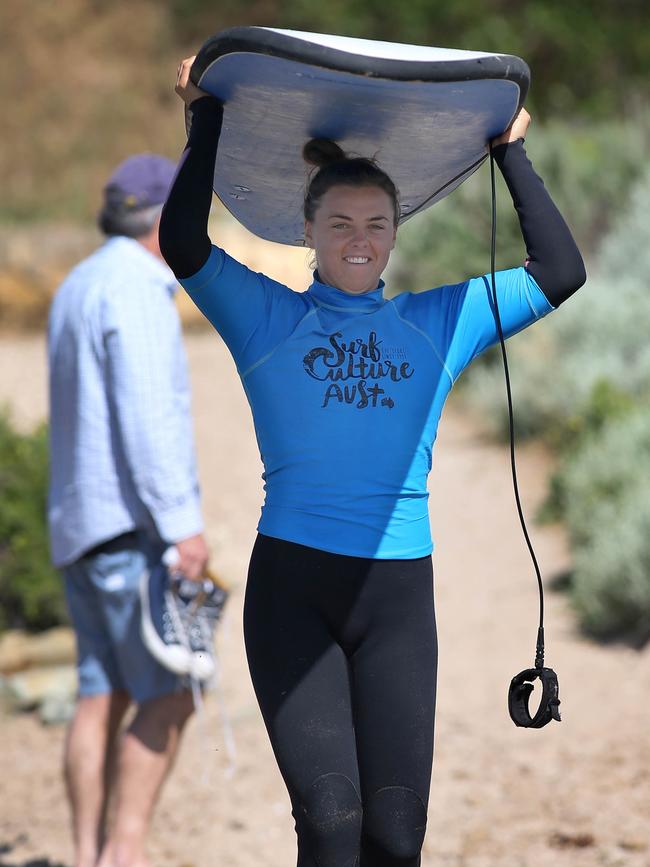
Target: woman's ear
(309,241)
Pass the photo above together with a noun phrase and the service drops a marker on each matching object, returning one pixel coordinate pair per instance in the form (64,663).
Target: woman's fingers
(185,88)
(517,129)
(520,124)
(183,73)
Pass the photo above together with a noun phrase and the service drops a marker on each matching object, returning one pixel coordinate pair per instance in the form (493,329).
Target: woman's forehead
(356,200)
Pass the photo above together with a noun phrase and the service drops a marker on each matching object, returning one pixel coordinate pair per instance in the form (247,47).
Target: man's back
(121,438)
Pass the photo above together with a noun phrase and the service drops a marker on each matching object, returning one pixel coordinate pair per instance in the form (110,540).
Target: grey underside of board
(428,136)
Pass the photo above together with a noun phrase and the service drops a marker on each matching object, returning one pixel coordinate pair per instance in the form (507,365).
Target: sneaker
(161,627)
(200,605)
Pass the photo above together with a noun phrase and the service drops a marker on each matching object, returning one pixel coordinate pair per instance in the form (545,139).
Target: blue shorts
(102,592)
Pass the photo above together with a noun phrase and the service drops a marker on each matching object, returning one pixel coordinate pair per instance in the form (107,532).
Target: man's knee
(96,709)
(171,708)
(394,825)
(328,822)
(160,720)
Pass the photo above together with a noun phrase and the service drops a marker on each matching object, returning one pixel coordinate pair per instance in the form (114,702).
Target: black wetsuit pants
(342,653)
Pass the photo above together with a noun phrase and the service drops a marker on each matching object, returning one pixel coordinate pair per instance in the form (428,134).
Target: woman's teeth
(357,260)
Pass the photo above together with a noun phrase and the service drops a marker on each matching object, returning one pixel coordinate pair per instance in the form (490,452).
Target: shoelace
(213,683)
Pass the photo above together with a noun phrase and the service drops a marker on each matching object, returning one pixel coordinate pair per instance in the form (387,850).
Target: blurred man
(123,488)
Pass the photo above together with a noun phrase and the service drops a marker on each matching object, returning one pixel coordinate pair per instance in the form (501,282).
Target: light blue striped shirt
(121,441)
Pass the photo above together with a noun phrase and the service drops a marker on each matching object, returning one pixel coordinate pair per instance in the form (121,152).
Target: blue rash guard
(346,393)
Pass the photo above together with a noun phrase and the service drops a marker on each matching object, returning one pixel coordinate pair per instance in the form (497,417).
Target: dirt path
(572,794)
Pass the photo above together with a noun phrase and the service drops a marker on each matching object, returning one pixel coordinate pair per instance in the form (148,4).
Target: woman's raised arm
(184,240)
(554,260)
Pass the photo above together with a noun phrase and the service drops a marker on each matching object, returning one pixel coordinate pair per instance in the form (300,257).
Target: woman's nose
(360,235)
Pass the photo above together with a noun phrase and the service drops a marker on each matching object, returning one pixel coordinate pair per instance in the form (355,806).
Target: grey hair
(119,220)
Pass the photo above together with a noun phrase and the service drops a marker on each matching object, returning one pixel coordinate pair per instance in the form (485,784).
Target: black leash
(521,685)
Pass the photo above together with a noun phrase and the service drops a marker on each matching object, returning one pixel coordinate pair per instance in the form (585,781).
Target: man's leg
(110,766)
(146,756)
(103,700)
(87,748)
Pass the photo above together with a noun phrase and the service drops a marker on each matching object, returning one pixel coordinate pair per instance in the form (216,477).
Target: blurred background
(88,82)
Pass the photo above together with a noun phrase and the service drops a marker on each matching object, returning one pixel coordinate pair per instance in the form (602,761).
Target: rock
(57,709)
(20,650)
(13,651)
(29,689)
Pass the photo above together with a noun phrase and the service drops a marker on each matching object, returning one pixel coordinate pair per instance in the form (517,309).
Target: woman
(346,391)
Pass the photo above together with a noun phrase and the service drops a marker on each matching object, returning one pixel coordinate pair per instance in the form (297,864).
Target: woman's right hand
(185,88)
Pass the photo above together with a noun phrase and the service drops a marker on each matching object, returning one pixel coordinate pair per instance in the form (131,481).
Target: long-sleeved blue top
(347,390)
(346,393)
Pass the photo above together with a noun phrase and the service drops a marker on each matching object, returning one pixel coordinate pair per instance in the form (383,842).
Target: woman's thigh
(394,670)
(299,672)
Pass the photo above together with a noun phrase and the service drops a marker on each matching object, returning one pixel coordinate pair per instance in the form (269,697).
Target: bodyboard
(425,114)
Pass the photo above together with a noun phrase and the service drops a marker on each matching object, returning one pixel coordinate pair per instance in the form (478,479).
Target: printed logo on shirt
(353,370)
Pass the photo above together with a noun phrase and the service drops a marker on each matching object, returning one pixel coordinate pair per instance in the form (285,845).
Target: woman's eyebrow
(344,217)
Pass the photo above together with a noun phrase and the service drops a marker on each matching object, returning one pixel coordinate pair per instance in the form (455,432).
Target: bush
(605,501)
(31,593)
(567,370)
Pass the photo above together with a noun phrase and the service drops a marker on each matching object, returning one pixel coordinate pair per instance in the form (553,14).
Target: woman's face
(353,232)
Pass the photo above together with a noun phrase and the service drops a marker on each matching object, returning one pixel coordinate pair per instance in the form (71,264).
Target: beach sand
(576,794)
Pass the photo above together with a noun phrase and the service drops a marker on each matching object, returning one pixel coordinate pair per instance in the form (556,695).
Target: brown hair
(336,168)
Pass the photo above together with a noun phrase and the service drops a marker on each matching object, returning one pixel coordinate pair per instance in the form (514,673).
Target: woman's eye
(376,226)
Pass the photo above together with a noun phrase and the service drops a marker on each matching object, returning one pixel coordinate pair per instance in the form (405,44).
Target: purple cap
(141,181)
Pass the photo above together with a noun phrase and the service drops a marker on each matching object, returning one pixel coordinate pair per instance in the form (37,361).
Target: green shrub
(605,497)
(31,594)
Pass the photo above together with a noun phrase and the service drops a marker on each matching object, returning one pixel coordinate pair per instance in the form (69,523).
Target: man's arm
(150,397)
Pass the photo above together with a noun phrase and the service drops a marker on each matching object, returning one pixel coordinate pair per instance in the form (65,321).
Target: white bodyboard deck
(425,114)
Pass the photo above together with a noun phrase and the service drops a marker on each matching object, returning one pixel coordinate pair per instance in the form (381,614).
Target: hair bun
(322,152)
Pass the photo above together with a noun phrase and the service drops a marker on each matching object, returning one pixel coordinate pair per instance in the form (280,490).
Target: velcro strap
(519,694)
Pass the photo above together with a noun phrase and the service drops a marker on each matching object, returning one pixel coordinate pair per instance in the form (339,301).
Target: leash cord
(539,653)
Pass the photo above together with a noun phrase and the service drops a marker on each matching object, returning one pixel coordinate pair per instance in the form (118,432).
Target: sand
(575,793)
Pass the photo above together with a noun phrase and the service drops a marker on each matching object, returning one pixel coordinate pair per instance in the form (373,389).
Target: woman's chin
(359,286)
(349,281)
(355,291)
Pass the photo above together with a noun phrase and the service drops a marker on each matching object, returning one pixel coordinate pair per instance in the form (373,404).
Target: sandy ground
(574,794)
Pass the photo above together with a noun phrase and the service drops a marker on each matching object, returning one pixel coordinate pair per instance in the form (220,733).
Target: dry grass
(88,83)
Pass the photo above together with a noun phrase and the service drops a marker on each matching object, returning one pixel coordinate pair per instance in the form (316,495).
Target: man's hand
(517,129)
(193,556)
(185,88)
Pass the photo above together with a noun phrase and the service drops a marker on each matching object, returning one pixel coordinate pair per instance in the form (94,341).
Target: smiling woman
(346,389)
(352,231)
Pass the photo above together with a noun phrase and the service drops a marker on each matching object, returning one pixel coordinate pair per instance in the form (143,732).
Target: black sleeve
(554,259)
(183,235)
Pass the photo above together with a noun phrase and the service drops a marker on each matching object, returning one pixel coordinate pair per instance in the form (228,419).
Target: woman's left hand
(517,129)
(185,88)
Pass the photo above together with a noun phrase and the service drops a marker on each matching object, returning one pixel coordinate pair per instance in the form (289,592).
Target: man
(123,488)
